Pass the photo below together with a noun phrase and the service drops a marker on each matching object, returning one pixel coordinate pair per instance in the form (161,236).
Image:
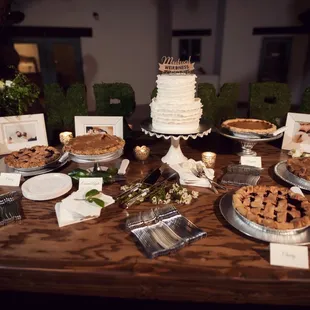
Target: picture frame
(112,125)
(22,131)
(297,134)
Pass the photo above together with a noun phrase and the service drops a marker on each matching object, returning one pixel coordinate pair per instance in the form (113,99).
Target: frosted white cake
(175,110)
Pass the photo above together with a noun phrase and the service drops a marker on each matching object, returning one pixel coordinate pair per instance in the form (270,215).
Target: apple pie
(273,207)
(249,125)
(36,156)
(300,167)
(94,144)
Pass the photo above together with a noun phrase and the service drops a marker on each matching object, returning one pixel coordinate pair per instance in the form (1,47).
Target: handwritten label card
(255,161)
(90,183)
(289,255)
(10,179)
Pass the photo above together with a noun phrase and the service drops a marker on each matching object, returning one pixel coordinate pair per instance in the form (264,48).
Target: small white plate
(47,186)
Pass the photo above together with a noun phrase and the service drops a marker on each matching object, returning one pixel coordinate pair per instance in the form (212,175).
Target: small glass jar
(208,158)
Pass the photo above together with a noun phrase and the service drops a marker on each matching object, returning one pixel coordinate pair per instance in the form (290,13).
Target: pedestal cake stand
(174,154)
(247,143)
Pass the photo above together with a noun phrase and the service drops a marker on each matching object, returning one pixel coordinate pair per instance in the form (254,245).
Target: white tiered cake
(175,110)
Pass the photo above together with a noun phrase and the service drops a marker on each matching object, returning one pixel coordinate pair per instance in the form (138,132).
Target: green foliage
(154,93)
(18,95)
(61,108)
(305,103)
(104,92)
(278,93)
(217,108)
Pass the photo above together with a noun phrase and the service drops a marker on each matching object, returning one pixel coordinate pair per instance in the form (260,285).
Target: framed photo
(297,134)
(85,125)
(17,132)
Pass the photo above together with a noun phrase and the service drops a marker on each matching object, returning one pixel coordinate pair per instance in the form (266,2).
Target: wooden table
(100,258)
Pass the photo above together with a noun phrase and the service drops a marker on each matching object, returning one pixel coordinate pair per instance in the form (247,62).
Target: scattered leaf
(92,192)
(99,202)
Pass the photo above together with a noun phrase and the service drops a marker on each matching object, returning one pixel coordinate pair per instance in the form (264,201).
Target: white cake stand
(174,154)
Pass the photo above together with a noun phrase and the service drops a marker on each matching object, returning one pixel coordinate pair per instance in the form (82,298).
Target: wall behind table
(241,50)
(124,43)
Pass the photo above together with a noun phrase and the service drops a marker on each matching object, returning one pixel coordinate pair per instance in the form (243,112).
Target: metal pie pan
(231,216)
(282,172)
(270,230)
(31,169)
(96,157)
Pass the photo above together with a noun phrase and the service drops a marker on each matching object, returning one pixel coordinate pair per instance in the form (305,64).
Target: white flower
(184,196)
(168,196)
(2,85)
(188,200)
(154,200)
(8,83)
(195,194)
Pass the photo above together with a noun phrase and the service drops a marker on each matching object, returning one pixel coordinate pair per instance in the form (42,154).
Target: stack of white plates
(47,186)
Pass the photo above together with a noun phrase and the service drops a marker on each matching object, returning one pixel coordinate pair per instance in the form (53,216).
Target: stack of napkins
(75,209)
(187,176)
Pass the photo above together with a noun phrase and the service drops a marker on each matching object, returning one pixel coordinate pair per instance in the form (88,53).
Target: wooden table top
(99,257)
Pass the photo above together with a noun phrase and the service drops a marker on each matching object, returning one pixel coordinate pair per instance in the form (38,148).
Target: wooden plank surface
(100,258)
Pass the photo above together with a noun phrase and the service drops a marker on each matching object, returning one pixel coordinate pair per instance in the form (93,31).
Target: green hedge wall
(275,111)
(104,92)
(217,108)
(305,102)
(61,107)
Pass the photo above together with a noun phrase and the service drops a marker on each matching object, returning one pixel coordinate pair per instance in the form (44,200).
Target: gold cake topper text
(169,65)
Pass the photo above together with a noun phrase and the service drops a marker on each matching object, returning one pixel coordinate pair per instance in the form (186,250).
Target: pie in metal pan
(272,208)
(249,127)
(33,158)
(94,145)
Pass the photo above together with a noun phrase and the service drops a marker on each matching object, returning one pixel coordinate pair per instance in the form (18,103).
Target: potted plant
(17,95)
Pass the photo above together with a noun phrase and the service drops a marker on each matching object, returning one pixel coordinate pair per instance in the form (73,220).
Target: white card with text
(255,161)
(289,255)
(10,179)
(90,183)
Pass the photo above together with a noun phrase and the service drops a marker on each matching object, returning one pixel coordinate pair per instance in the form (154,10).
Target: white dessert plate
(46,186)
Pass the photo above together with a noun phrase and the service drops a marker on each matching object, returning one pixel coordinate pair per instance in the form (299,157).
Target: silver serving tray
(113,156)
(282,172)
(231,216)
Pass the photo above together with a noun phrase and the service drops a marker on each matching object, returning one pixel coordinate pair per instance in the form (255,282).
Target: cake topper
(169,65)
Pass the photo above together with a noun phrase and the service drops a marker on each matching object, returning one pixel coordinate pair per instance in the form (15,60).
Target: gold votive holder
(142,152)
(208,158)
(65,137)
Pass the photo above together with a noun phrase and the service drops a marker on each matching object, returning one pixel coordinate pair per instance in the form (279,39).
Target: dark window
(190,47)
(274,59)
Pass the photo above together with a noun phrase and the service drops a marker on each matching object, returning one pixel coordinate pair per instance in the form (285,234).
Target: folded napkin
(187,169)
(74,209)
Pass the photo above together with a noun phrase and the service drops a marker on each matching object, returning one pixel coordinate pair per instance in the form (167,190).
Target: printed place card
(289,255)
(90,183)
(10,179)
(255,161)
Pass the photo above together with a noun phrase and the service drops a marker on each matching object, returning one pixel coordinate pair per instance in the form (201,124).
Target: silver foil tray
(97,157)
(282,172)
(163,230)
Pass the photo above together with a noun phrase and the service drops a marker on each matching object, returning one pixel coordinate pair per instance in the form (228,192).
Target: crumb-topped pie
(36,156)
(273,207)
(95,144)
(249,125)
(300,167)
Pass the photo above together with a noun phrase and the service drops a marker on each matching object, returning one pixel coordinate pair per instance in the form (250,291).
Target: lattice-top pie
(36,156)
(94,144)
(249,125)
(300,167)
(272,206)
